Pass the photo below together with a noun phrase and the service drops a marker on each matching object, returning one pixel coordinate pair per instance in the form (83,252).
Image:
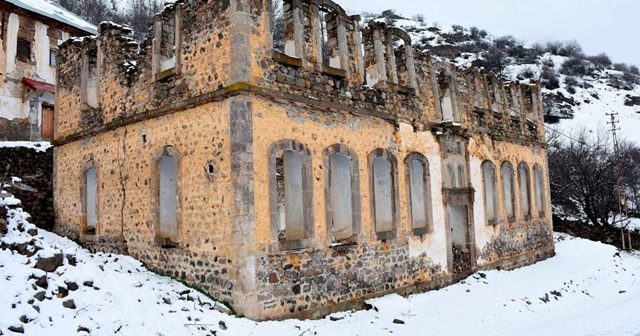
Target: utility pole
(620,192)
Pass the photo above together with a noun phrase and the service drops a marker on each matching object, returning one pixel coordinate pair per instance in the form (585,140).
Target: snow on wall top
(56,12)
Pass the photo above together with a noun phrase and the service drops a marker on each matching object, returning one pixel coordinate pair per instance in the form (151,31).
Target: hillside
(578,90)
(52,286)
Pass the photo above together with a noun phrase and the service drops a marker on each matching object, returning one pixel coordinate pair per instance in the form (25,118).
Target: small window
(91,201)
(53,60)
(489,181)
(24,50)
(507,190)
(539,190)
(462,177)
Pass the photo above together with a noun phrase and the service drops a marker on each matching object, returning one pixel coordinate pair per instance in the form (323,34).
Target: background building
(31,32)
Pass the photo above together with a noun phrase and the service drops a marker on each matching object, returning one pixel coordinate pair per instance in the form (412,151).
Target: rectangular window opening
(168,196)
(91,201)
(23,51)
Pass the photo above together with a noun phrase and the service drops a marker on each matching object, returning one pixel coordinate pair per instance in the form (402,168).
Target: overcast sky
(610,26)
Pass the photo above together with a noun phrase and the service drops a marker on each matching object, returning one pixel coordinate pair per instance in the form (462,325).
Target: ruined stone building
(294,165)
(30,31)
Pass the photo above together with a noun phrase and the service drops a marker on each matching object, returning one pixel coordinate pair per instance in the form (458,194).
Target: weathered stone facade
(292,185)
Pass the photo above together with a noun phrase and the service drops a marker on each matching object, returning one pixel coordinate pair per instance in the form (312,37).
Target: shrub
(634,70)
(576,66)
(571,81)
(571,49)
(549,78)
(505,42)
(621,67)
(601,61)
(419,18)
(457,28)
(475,32)
(554,47)
(571,89)
(526,73)
(496,60)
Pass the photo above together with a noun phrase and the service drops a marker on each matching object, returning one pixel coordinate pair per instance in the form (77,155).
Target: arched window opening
(462,177)
(525,194)
(168,196)
(91,201)
(290,190)
(539,189)
(419,193)
(444,94)
(450,177)
(290,206)
(490,191)
(384,188)
(508,190)
(342,218)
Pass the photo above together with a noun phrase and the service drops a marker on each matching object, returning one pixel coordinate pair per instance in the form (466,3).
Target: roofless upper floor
(309,52)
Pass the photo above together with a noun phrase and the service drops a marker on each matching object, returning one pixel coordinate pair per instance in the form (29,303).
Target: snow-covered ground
(587,289)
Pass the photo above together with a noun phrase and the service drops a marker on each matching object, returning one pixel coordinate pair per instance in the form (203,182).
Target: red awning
(38,85)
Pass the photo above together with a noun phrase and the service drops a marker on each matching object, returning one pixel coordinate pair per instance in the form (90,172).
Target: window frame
(523,168)
(21,44)
(355,193)
(276,150)
(509,166)
(491,220)
(85,234)
(53,57)
(539,188)
(395,206)
(162,239)
(428,206)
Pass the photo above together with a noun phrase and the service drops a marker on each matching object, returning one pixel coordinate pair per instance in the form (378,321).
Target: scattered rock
(166,300)
(63,292)
(49,264)
(32,232)
(3,226)
(222,325)
(185,292)
(334,318)
(71,259)
(101,267)
(39,296)
(72,286)
(69,304)
(17,329)
(85,329)
(88,283)
(398,321)
(42,282)
(622,291)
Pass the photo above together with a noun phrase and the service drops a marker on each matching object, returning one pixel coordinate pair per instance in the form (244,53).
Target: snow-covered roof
(56,12)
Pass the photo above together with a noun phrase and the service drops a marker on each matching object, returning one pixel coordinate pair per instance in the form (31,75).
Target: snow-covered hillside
(587,92)
(51,286)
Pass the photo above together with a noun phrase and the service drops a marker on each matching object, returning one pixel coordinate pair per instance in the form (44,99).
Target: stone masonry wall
(35,168)
(126,175)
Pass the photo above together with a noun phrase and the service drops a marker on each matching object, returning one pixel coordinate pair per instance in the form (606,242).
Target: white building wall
(12,105)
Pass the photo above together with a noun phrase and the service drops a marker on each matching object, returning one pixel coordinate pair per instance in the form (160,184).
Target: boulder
(69,304)
(49,264)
